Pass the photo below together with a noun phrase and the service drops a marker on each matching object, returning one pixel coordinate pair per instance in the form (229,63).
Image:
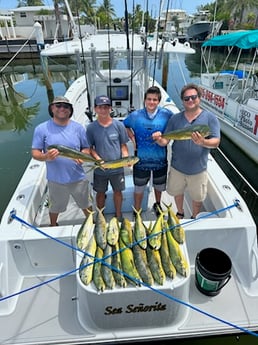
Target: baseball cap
(60,99)
(102,100)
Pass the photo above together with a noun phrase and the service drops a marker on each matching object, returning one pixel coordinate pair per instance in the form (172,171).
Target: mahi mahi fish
(186,132)
(68,152)
(119,163)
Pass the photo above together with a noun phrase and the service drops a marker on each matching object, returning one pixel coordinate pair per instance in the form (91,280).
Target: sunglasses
(192,97)
(64,105)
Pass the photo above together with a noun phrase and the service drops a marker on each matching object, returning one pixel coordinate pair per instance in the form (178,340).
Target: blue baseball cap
(102,100)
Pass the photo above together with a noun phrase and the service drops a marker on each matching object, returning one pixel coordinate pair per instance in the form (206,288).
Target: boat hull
(239,122)
(199,31)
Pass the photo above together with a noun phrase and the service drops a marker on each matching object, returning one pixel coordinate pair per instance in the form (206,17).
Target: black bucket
(212,271)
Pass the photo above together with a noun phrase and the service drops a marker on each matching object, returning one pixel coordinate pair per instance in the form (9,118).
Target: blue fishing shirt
(152,156)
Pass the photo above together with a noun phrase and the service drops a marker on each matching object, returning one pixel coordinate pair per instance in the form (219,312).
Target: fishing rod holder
(237,204)
(11,216)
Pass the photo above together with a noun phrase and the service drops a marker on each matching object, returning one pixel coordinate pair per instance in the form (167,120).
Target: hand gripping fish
(68,152)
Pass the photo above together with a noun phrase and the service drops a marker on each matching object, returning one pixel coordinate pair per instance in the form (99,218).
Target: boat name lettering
(140,308)
(217,100)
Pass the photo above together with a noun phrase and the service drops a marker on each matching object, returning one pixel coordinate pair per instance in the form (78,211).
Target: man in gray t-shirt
(107,138)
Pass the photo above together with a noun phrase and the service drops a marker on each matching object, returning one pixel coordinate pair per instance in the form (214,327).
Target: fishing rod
(157,41)
(109,58)
(127,35)
(146,81)
(163,38)
(132,64)
(146,24)
(88,111)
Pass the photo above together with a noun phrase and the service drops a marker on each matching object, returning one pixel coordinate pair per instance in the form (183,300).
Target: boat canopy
(242,39)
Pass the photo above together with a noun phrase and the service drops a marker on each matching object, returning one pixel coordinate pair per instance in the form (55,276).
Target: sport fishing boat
(231,92)
(201,27)
(47,295)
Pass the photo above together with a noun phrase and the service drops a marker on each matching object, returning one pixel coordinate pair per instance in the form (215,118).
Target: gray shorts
(59,195)
(100,182)
(196,184)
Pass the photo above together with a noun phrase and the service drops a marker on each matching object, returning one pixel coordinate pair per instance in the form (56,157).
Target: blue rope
(137,281)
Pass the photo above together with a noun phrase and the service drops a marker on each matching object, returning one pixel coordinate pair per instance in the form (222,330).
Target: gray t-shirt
(187,157)
(107,142)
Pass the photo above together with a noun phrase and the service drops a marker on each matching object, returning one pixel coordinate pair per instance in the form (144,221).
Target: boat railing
(248,192)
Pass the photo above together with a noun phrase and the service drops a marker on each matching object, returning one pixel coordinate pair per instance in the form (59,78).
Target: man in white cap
(107,138)
(65,176)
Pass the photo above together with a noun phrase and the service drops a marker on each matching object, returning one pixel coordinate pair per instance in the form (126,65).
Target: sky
(189,5)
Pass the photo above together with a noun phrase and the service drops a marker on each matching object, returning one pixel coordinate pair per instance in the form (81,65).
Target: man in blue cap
(107,138)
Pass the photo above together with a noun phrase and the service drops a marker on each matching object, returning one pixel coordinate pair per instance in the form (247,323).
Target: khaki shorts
(196,184)
(59,195)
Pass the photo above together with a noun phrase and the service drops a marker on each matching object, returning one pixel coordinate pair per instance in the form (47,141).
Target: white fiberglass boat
(232,91)
(42,297)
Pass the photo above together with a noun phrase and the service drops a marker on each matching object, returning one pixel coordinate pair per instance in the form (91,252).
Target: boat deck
(43,267)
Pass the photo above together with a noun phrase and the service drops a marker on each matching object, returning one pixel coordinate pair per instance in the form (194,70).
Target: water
(27,106)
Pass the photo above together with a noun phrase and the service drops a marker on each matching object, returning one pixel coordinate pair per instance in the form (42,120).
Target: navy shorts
(117,181)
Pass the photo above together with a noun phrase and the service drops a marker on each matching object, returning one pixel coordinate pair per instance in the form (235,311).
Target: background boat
(201,27)
(231,93)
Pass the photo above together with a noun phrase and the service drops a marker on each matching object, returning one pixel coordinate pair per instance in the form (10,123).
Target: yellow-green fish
(85,231)
(155,264)
(186,132)
(119,163)
(100,229)
(154,238)
(112,231)
(176,255)
(106,271)
(126,232)
(140,230)
(142,265)
(117,263)
(128,263)
(87,261)
(97,275)
(177,230)
(166,261)
(68,152)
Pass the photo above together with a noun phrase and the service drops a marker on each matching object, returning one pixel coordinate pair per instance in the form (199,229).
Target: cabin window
(218,85)
(23,14)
